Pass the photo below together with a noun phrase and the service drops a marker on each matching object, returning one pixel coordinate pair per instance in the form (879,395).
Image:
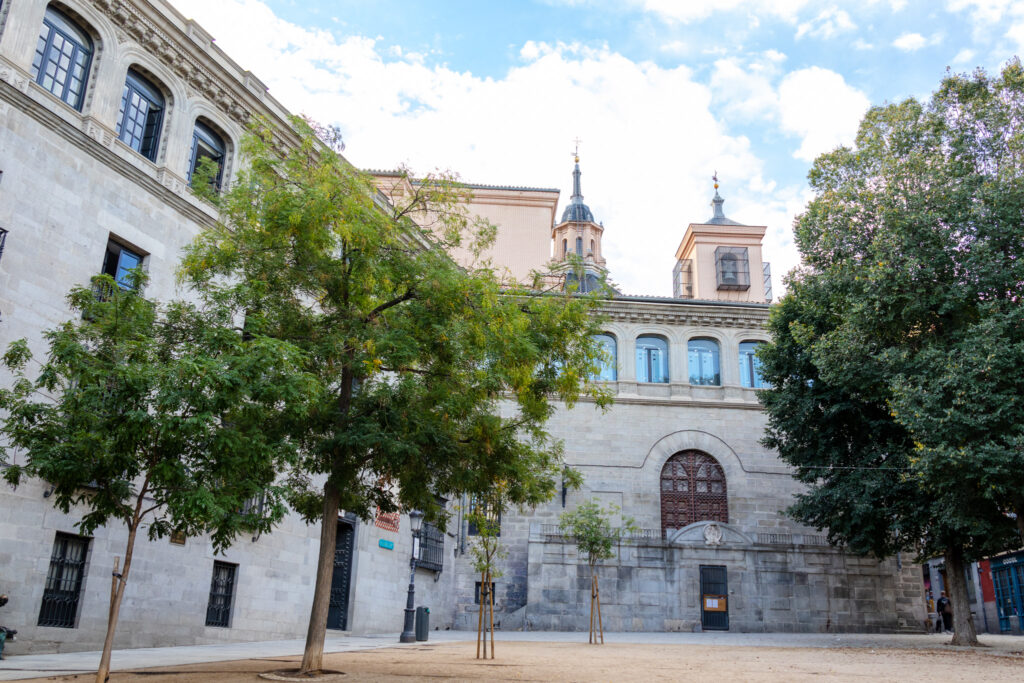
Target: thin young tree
(590,527)
(488,552)
(432,378)
(142,414)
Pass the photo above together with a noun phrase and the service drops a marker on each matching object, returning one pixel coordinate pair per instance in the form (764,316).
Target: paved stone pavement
(15,667)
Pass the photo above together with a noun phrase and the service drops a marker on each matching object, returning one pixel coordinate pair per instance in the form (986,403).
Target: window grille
(476,596)
(431,548)
(486,509)
(692,490)
(61,61)
(64,581)
(140,117)
(682,279)
(766,271)
(732,268)
(222,594)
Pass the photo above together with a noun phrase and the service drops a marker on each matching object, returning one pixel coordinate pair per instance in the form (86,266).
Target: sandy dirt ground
(524,661)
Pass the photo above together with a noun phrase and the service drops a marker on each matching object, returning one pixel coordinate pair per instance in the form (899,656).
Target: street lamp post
(409,633)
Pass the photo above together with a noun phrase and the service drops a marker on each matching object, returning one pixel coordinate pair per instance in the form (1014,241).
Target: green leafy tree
(167,417)
(590,527)
(432,378)
(894,391)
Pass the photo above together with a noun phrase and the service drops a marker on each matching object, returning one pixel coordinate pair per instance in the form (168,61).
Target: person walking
(944,607)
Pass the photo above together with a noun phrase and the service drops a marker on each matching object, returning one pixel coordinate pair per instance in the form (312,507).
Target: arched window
(692,490)
(750,366)
(63,54)
(592,246)
(141,115)
(579,246)
(651,359)
(609,364)
(702,357)
(206,144)
(565,248)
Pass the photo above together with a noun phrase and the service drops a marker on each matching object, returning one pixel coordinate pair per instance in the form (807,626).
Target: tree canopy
(432,379)
(163,415)
(894,391)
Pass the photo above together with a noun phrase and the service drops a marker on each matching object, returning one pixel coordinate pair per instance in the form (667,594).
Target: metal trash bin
(422,623)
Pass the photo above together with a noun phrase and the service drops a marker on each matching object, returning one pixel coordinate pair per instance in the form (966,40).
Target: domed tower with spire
(577,239)
(721,259)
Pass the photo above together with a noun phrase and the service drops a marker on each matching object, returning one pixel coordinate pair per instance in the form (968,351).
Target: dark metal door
(337,612)
(714,599)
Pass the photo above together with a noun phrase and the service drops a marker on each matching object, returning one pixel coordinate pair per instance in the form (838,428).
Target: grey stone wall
(655,586)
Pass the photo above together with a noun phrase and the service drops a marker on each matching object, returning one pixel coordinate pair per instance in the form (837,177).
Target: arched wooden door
(692,490)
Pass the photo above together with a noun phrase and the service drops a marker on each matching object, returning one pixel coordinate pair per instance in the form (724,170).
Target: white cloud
(650,141)
(821,108)
(985,11)
(909,42)
(827,24)
(965,56)
(686,11)
(861,44)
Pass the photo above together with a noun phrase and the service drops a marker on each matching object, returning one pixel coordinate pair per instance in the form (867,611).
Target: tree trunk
(963,621)
(313,655)
(103,672)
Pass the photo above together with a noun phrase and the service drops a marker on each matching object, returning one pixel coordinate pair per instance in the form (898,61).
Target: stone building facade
(80,193)
(106,106)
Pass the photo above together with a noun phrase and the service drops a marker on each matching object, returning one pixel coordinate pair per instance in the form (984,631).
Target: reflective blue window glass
(750,366)
(62,57)
(702,357)
(118,261)
(609,364)
(651,360)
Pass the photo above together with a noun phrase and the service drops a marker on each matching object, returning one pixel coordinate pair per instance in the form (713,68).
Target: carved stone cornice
(188,50)
(677,312)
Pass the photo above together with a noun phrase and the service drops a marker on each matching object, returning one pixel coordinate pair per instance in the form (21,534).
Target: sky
(661,93)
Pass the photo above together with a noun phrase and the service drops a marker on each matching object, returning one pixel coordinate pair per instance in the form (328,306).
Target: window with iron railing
(431,548)
(732,268)
(222,594)
(64,581)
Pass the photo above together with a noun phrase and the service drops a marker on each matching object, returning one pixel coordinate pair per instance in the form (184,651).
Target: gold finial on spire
(715,178)
(576,154)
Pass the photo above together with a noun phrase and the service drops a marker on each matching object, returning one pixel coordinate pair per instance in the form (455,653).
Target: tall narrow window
(591,246)
(483,508)
(430,554)
(609,363)
(222,594)
(579,246)
(142,113)
(750,366)
(63,54)
(565,248)
(64,581)
(651,359)
(702,357)
(119,261)
(206,144)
